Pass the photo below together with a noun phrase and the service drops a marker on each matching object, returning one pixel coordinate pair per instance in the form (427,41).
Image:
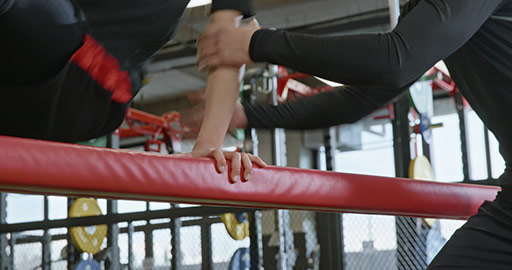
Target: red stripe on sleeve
(104,69)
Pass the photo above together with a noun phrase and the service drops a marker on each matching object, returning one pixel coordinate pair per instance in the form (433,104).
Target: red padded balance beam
(31,166)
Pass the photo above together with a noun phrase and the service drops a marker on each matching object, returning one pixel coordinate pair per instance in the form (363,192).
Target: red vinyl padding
(31,166)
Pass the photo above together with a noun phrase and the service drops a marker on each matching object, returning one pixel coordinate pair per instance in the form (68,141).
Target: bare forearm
(221,92)
(221,96)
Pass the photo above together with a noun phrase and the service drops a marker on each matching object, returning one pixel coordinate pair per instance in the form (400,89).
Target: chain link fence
(25,255)
(369,242)
(387,242)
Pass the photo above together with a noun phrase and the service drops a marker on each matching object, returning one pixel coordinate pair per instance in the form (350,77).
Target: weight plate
(242,217)
(241,260)
(88,265)
(87,238)
(237,230)
(420,169)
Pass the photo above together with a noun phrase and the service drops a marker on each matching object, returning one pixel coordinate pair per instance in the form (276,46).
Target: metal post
(401,133)
(255,227)
(131,231)
(402,153)
(286,246)
(12,245)
(71,252)
(47,257)
(330,237)
(278,136)
(113,261)
(206,244)
(256,239)
(461,112)
(175,242)
(330,148)
(4,259)
(330,225)
(401,136)
(148,244)
(286,241)
(409,240)
(113,141)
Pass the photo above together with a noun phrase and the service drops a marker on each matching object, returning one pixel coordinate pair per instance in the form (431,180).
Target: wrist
(205,141)
(201,147)
(226,17)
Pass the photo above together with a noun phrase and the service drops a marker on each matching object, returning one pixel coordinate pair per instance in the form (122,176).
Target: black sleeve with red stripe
(244,6)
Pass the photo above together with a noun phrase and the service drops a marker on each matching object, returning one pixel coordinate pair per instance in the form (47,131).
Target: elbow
(392,76)
(399,75)
(401,65)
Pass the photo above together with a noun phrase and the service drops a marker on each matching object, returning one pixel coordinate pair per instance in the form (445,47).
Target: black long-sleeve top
(76,82)
(473,37)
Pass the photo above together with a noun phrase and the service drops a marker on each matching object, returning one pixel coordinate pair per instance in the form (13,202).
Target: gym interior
(429,133)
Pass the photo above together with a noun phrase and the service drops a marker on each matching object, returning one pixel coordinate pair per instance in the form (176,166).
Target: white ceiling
(169,84)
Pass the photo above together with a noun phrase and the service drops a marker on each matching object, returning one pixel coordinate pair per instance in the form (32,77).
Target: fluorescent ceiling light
(330,83)
(197,3)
